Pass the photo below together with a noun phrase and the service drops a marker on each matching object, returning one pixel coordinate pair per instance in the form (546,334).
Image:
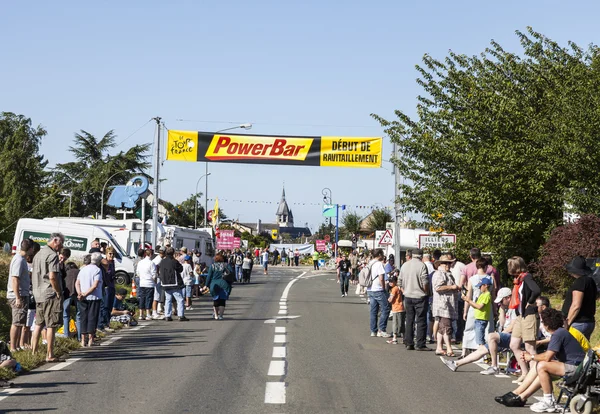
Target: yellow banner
(239,147)
(182,146)
(351,152)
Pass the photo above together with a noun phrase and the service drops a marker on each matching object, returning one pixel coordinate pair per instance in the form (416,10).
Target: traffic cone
(133,289)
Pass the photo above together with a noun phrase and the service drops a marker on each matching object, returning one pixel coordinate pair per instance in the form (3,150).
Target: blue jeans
(108,300)
(344,282)
(178,294)
(586,328)
(379,303)
(67,313)
(480,331)
(238,273)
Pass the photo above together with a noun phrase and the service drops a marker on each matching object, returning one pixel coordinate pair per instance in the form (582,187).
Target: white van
(198,239)
(78,238)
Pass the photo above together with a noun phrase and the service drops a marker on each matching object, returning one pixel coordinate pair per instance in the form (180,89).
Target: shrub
(564,243)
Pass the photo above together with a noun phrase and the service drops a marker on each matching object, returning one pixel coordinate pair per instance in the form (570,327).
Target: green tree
(22,191)
(93,167)
(501,142)
(379,218)
(182,214)
(350,225)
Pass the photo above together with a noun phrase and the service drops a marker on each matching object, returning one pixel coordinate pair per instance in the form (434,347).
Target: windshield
(117,246)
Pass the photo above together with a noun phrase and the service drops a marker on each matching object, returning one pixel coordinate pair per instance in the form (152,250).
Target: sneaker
(220,317)
(514,401)
(383,334)
(148,318)
(168,318)
(158,317)
(343,295)
(107,329)
(373,333)
(501,398)
(491,371)
(544,406)
(183,319)
(450,364)
(189,308)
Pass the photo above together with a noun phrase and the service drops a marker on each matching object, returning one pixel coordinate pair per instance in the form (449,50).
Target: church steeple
(284,215)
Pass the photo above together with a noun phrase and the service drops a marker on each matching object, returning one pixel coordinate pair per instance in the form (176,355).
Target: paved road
(326,362)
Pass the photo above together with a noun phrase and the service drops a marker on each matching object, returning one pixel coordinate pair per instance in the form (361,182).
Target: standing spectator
(196,257)
(378,297)
(344,275)
(257,255)
(492,271)
(219,288)
(63,256)
(579,307)
(275,257)
(89,294)
(445,303)
(353,266)
(108,284)
(284,256)
(265,260)
(414,283)
(182,253)
(146,272)
(524,295)
(482,309)
(315,257)
(428,263)
(47,291)
(138,258)
(70,295)
(239,260)
(95,247)
(188,280)
(157,312)
(169,273)
(456,268)
(398,314)
(296,257)
(17,292)
(247,268)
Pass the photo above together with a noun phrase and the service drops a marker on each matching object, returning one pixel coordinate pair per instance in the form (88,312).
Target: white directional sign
(384,238)
(434,241)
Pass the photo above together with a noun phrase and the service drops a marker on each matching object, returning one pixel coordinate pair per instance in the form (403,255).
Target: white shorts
(157,292)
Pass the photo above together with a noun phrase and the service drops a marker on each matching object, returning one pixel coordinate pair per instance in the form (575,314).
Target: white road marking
(502,376)
(282,307)
(279,352)
(280,329)
(10,391)
(283,312)
(276,369)
(62,365)
(275,393)
(110,340)
(484,366)
(279,339)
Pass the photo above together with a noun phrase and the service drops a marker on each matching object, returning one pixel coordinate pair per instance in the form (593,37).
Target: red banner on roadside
(321,245)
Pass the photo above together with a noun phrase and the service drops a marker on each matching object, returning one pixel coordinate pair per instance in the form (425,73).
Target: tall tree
(94,168)
(22,166)
(378,219)
(350,225)
(501,142)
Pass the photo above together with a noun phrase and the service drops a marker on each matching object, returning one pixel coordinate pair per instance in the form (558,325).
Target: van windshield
(116,245)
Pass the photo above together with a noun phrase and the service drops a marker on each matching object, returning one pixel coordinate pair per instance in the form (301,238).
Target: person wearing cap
(579,307)
(119,312)
(482,308)
(188,281)
(183,252)
(497,341)
(445,303)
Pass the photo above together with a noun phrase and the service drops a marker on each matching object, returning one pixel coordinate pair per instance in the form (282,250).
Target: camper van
(198,239)
(127,232)
(78,238)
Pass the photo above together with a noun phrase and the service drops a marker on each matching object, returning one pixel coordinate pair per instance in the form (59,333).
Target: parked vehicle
(78,238)
(199,239)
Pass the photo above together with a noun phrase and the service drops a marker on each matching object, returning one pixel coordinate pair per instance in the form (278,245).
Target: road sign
(386,239)
(436,240)
(329,210)
(327,238)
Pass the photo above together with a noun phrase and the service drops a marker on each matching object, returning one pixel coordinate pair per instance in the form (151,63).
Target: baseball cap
(184,249)
(502,293)
(484,281)
(187,257)
(161,250)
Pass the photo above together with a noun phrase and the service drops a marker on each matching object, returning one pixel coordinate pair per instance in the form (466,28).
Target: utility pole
(143,236)
(397,211)
(156,160)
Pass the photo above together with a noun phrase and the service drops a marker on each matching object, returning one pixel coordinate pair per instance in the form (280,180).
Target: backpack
(239,259)
(364,277)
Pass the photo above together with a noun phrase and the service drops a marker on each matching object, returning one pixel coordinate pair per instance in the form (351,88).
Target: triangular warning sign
(386,239)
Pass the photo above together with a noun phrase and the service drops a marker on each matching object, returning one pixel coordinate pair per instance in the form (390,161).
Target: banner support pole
(155,185)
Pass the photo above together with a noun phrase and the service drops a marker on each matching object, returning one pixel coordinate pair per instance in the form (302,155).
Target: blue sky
(290,68)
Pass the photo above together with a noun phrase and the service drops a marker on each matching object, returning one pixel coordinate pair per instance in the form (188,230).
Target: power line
(277,124)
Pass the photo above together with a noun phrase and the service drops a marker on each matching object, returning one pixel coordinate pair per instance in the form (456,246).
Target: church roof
(283,208)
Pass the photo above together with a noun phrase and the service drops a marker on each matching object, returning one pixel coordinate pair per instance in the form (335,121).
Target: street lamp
(70,195)
(206,174)
(102,196)
(196,202)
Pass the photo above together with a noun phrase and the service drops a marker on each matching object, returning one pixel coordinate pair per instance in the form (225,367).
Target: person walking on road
(219,288)
(283,256)
(275,257)
(353,266)
(296,257)
(344,275)
(265,261)
(169,273)
(247,268)
(414,283)
(47,291)
(378,297)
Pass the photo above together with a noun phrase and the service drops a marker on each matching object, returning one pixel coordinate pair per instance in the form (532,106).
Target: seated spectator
(561,359)
(119,312)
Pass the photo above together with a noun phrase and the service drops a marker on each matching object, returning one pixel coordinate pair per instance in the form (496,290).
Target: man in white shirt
(146,272)
(378,296)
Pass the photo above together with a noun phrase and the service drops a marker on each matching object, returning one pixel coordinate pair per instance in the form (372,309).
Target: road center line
(279,352)
(275,393)
(279,339)
(276,369)
(280,329)
(62,365)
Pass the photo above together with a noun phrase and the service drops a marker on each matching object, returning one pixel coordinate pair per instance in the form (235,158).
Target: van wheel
(122,278)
